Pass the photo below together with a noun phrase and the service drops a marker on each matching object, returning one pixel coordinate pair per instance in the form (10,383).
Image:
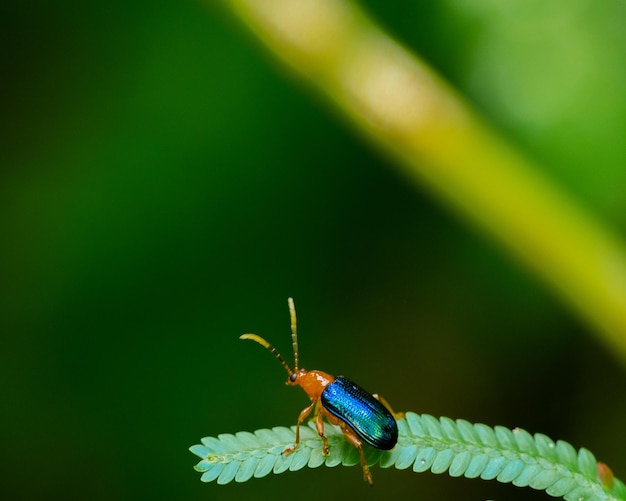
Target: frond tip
(424,443)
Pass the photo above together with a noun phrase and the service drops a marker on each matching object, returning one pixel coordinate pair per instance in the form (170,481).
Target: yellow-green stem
(399,103)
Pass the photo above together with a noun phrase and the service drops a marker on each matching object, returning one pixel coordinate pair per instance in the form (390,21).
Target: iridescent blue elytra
(369,419)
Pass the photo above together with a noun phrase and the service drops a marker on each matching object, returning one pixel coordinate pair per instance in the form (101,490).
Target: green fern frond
(424,443)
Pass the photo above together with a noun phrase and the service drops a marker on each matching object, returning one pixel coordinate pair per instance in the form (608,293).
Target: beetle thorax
(312,382)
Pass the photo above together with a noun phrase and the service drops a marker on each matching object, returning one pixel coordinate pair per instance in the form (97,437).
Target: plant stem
(400,104)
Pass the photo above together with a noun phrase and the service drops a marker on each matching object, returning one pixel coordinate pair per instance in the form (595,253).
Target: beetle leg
(397,415)
(303,415)
(319,425)
(354,440)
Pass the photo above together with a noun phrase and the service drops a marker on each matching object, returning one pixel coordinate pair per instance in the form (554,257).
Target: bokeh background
(165,186)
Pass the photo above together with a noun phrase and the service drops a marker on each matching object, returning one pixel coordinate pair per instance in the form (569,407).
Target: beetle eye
(293,377)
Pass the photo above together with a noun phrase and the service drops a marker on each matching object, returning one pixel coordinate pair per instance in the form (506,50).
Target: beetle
(362,417)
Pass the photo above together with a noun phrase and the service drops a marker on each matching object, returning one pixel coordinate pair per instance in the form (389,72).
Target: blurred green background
(165,186)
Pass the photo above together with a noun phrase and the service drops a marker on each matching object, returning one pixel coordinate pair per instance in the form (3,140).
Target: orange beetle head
(312,382)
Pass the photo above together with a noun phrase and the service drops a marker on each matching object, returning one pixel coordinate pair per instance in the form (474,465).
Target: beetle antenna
(263,342)
(294,332)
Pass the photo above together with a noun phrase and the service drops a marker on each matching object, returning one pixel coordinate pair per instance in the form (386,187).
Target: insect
(361,416)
